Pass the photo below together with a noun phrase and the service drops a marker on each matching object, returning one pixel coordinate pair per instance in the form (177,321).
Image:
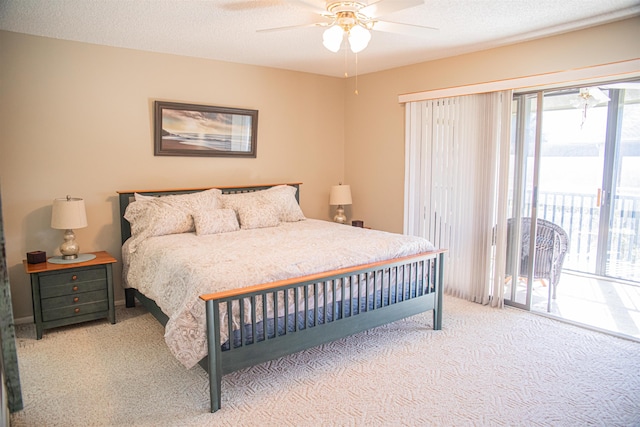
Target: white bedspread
(174,270)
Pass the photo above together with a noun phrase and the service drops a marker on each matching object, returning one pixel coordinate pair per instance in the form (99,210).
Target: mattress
(174,270)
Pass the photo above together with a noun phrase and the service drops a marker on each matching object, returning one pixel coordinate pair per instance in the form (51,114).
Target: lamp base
(69,248)
(340,216)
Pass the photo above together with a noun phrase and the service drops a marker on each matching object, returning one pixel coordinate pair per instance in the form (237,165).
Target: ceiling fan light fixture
(359,38)
(332,38)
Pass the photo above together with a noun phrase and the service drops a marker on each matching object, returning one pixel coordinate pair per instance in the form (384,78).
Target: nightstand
(65,294)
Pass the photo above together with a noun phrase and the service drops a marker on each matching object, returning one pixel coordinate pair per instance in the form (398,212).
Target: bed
(239,276)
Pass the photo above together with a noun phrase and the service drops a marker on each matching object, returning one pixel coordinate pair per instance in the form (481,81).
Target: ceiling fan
(355,20)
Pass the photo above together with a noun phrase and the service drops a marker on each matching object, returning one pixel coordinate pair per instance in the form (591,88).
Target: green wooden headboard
(127,197)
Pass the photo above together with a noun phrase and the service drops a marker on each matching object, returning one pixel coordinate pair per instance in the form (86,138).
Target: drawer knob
(76,299)
(75,288)
(74,277)
(77,310)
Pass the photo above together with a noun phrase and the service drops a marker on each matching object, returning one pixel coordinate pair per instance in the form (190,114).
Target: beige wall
(374,147)
(77,119)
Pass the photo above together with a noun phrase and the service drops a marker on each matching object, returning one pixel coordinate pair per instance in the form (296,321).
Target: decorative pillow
(158,216)
(284,198)
(215,221)
(205,197)
(192,202)
(253,211)
(154,218)
(258,216)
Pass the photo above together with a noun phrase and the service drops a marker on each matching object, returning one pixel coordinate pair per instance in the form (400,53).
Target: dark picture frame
(203,130)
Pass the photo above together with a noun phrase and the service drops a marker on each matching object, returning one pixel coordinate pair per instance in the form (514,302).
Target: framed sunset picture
(202,130)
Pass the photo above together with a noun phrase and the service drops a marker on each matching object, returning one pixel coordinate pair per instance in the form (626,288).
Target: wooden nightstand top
(102,257)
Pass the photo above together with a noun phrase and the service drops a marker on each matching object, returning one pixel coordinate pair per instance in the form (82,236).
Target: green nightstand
(65,294)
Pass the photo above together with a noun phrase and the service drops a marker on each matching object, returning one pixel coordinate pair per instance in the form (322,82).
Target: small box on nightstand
(36,257)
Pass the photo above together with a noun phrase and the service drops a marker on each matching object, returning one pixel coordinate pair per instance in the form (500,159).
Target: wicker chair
(552,243)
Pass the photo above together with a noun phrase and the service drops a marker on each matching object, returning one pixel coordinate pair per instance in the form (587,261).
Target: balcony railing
(579,216)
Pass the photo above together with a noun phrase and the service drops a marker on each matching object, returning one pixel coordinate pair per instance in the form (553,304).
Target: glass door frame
(519,191)
(607,190)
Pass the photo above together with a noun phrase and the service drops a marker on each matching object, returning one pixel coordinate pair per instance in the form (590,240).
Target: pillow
(259,215)
(206,196)
(154,218)
(252,210)
(142,197)
(284,198)
(215,221)
(158,216)
(191,202)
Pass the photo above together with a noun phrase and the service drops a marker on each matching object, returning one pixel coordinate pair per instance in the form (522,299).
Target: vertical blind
(456,170)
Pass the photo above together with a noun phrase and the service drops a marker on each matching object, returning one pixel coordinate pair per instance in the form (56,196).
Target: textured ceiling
(227,29)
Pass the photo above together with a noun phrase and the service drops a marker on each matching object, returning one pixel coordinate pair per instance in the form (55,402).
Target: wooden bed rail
(312,278)
(386,291)
(224,188)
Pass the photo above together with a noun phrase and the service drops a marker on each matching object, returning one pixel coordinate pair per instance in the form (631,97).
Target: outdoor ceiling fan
(356,20)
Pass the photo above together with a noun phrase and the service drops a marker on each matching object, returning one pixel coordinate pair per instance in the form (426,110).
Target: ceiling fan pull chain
(356,92)
(346,63)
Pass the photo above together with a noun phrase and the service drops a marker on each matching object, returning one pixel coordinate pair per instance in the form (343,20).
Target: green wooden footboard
(393,290)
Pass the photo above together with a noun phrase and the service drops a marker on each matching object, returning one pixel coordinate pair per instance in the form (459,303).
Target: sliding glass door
(522,183)
(619,255)
(575,169)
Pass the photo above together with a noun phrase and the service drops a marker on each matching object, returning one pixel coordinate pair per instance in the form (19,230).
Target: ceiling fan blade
(317,6)
(405,29)
(385,7)
(241,6)
(292,27)
(314,6)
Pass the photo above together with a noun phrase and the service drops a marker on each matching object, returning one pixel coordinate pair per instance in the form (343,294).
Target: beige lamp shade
(340,195)
(68,213)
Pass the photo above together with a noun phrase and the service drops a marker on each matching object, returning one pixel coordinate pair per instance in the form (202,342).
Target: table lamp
(340,195)
(68,214)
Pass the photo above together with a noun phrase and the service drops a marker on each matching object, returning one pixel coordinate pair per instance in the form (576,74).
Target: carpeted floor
(486,367)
